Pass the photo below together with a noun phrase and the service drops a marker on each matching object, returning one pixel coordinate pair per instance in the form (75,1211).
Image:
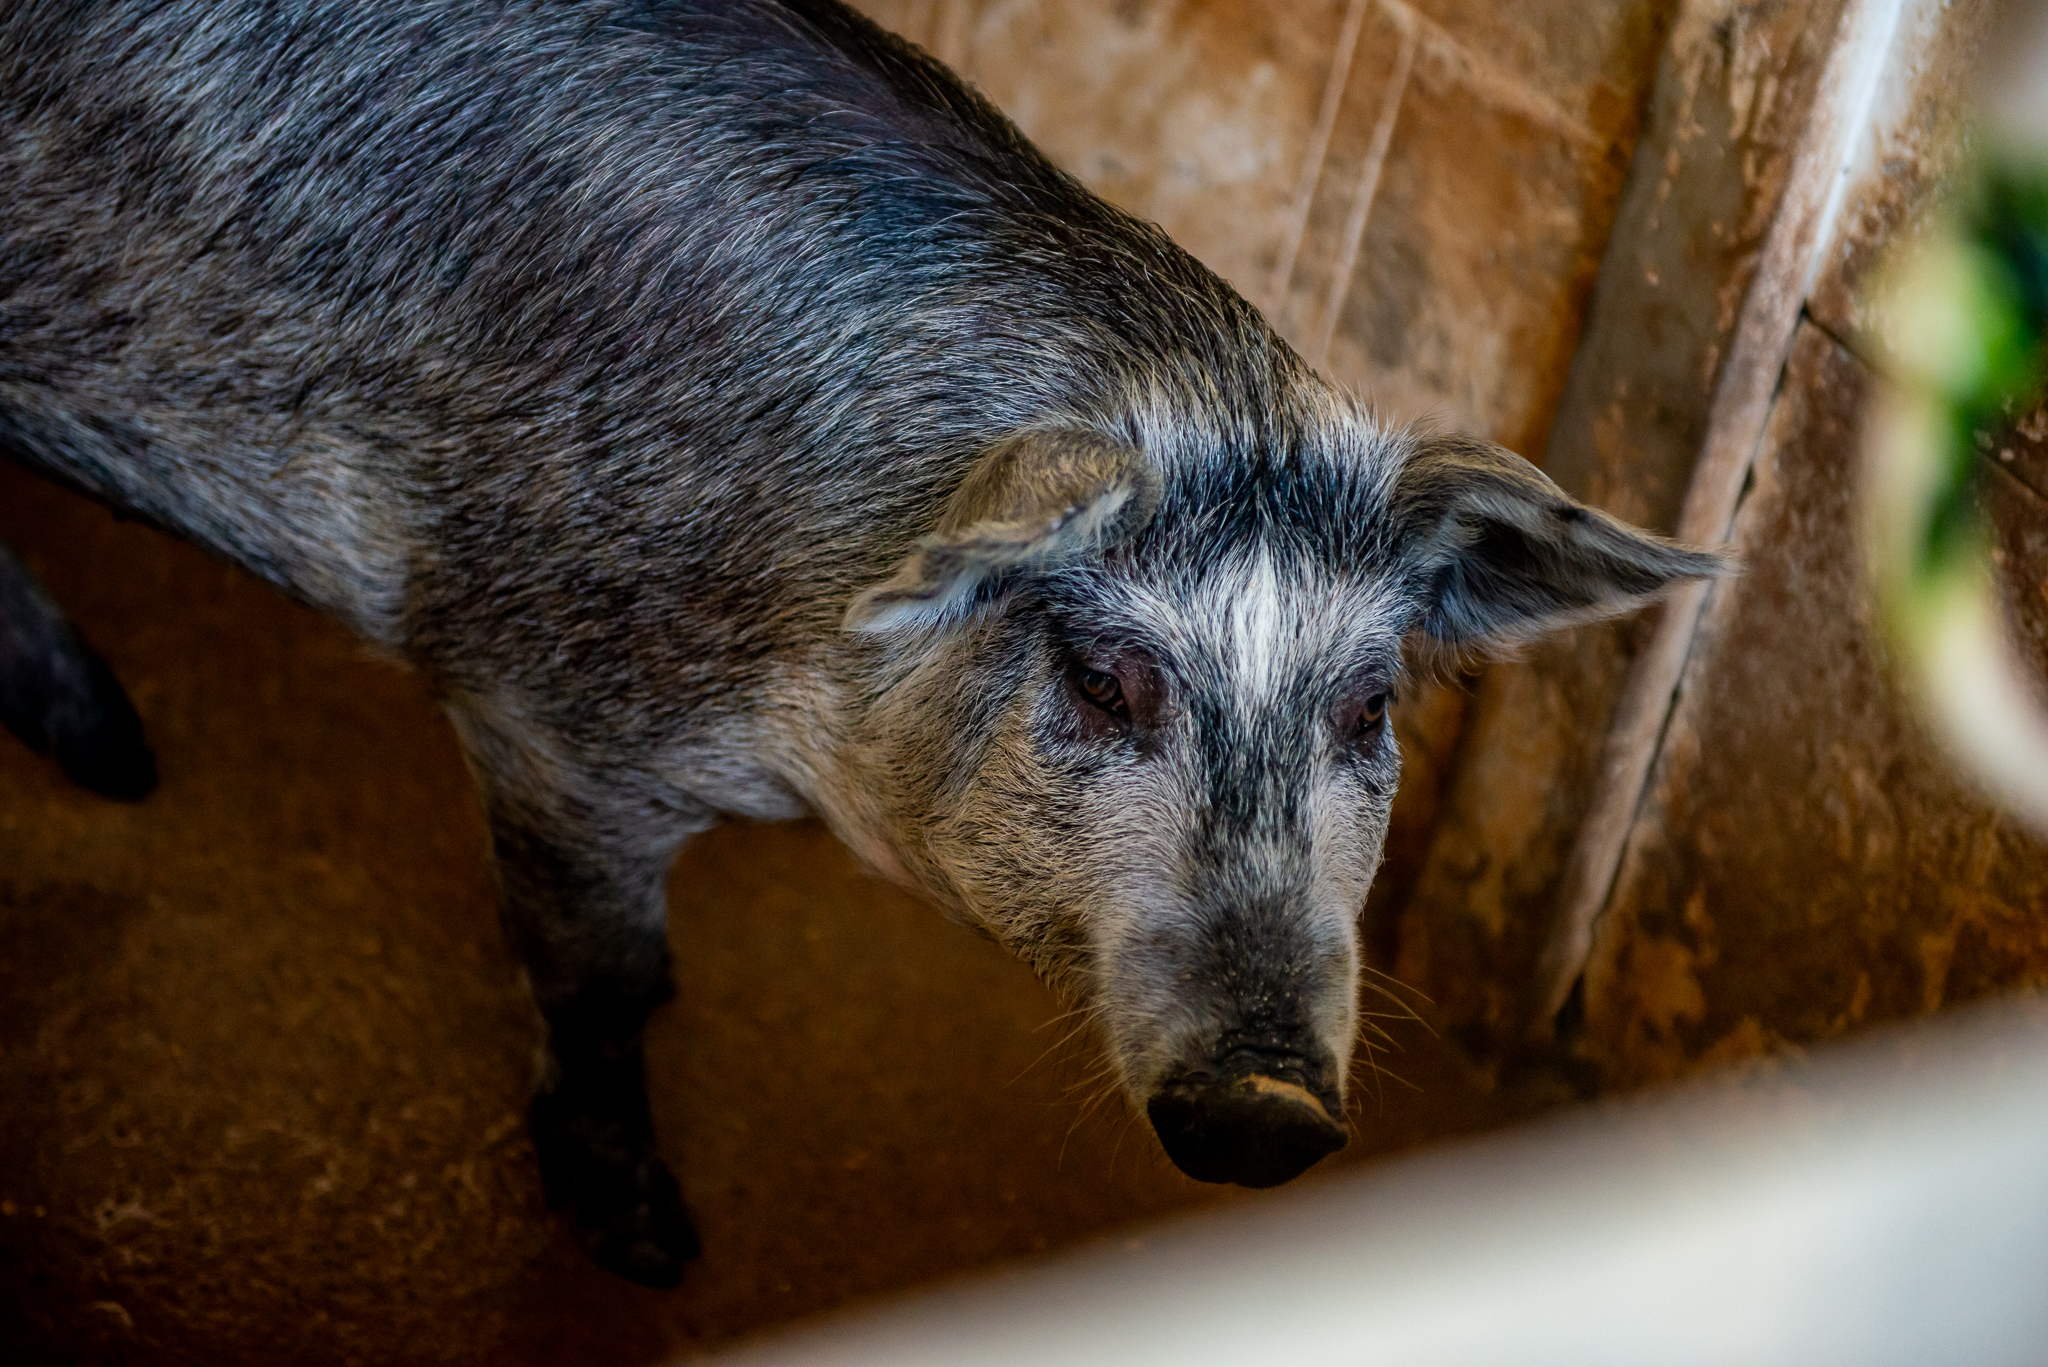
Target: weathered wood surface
(1713,177)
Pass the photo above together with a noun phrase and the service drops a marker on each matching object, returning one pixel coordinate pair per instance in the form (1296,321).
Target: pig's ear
(1035,501)
(1497,553)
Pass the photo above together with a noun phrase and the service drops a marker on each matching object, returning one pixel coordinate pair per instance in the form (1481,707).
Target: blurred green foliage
(1984,361)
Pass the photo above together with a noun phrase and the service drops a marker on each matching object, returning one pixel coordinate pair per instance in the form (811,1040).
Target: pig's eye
(1104,690)
(1370,717)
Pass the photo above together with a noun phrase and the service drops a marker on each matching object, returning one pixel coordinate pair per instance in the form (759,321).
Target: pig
(731,414)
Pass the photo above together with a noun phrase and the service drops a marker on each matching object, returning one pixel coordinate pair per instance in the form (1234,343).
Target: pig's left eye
(1104,690)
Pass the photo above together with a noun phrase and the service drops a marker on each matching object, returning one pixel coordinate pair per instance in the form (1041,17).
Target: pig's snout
(1255,1126)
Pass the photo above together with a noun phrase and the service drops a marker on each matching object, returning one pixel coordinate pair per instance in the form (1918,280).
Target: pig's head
(1134,721)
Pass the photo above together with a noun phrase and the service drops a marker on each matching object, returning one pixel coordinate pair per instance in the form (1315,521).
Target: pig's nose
(1254,1130)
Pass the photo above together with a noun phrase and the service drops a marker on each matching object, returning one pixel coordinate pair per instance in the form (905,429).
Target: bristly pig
(731,414)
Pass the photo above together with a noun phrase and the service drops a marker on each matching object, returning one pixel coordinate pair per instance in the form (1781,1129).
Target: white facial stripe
(1267,630)
(1264,630)
(1256,617)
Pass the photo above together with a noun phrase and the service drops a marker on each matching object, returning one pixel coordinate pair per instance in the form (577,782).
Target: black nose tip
(1255,1131)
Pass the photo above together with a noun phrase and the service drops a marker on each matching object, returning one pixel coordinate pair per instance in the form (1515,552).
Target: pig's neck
(829,741)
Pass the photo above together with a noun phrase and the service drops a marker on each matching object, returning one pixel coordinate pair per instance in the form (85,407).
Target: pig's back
(479,324)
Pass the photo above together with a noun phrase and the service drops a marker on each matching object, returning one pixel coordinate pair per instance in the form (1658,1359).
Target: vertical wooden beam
(1318,149)
(1367,188)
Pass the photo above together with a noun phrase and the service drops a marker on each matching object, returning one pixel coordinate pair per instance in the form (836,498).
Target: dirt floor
(263,1057)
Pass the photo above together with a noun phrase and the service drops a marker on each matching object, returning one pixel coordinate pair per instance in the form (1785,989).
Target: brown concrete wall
(1806,860)
(1803,860)
(1731,102)
(1418,194)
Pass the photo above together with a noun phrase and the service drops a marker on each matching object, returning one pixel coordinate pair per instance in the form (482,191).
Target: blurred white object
(1883,1203)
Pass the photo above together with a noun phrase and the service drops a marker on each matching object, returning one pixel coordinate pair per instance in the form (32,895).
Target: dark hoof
(1255,1131)
(649,1241)
(98,739)
(621,1197)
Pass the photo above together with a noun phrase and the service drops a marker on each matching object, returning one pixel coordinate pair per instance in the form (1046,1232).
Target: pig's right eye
(1104,690)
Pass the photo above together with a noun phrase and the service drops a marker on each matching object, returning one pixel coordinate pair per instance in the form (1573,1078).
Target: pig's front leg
(582,855)
(60,697)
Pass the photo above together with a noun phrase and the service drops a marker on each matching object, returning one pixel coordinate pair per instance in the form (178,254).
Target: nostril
(1255,1131)
(1279,1051)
